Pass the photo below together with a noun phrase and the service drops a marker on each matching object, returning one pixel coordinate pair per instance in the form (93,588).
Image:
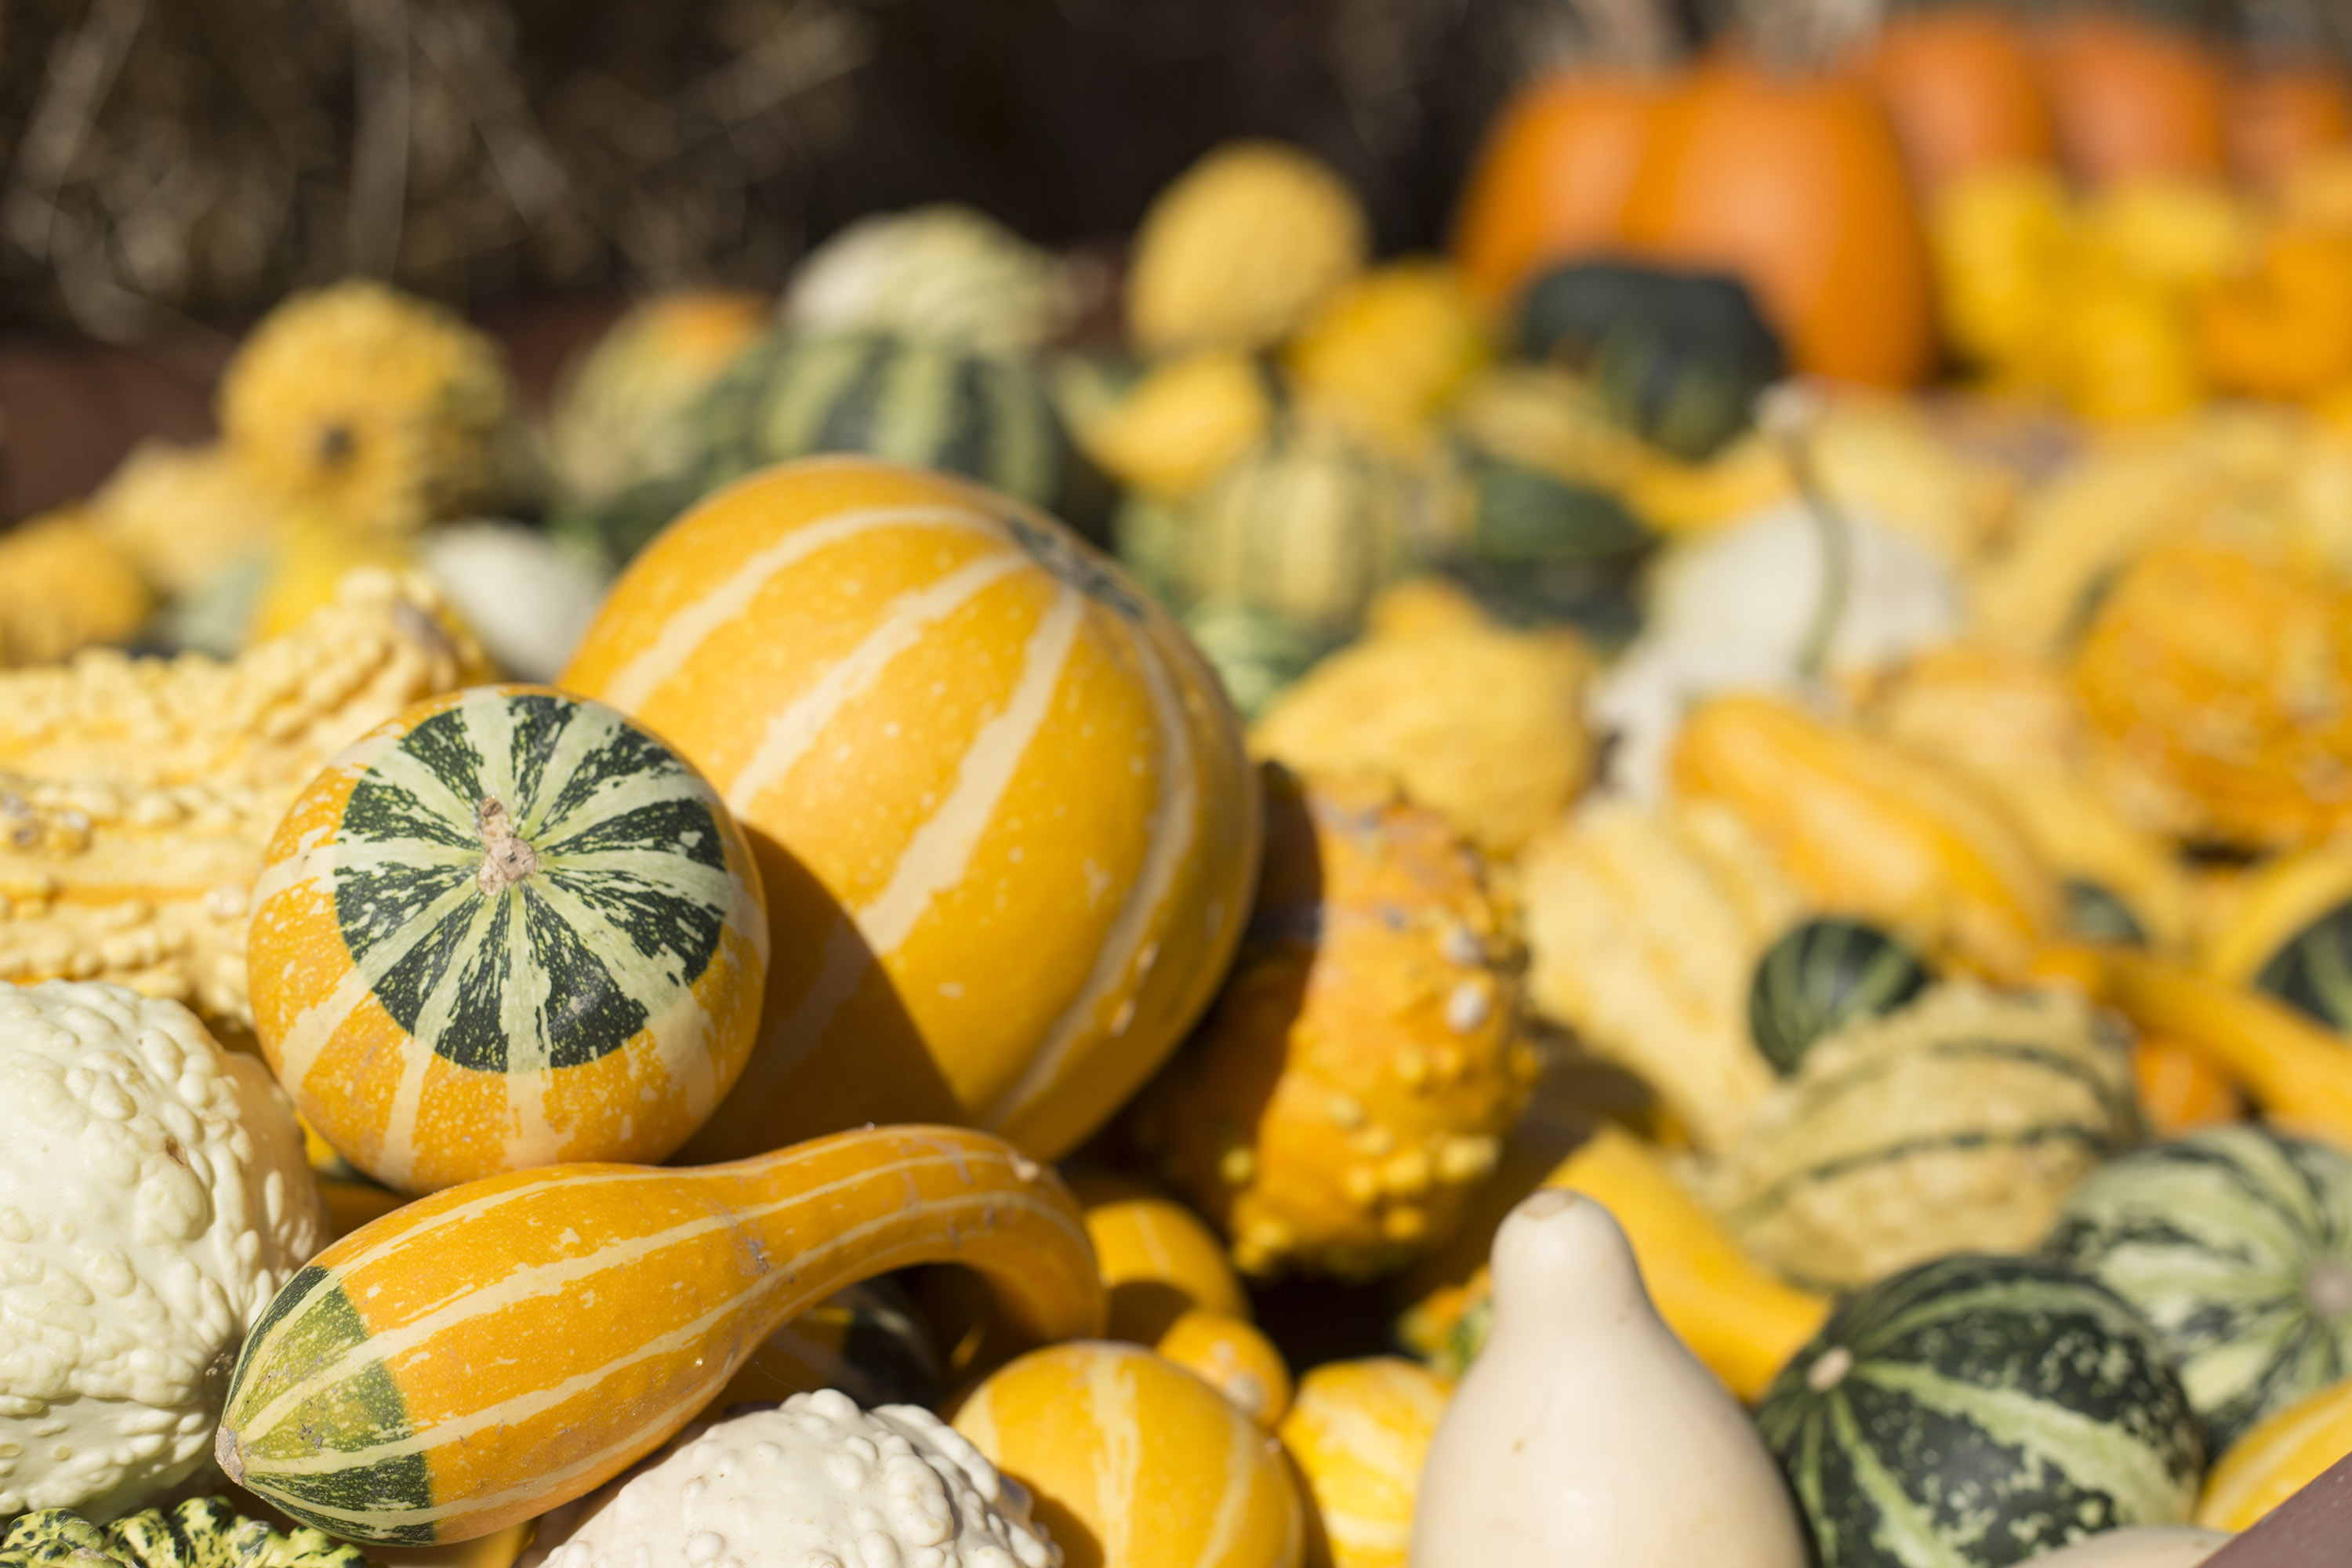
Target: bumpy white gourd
(1586,1432)
(815,1482)
(2154,1546)
(154,1197)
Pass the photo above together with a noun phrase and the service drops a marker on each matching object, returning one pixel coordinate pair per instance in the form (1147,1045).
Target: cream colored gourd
(2149,1546)
(1586,1434)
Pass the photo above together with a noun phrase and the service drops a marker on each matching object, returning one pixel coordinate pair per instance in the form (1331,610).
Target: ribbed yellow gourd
(1135,1462)
(1159,1259)
(2277,1460)
(1359,1431)
(1000,803)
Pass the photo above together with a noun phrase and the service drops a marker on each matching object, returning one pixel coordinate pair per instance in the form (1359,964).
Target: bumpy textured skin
(202,1533)
(63,586)
(1958,1124)
(943,271)
(1135,1462)
(1979,1411)
(185,514)
(378,409)
(136,795)
(1241,247)
(814,1480)
(1350,1090)
(1480,723)
(154,1196)
(1643,928)
(621,415)
(1357,1432)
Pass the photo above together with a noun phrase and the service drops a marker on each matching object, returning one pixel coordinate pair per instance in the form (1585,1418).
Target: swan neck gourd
(481,1355)
(1586,1432)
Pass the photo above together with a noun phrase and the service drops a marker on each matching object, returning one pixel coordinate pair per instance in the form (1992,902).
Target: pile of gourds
(1784,947)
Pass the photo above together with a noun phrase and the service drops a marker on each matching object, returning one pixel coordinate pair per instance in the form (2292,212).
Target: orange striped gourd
(481,1355)
(1359,1431)
(506,928)
(1000,802)
(1230,1355)
(1159,1260)
(1135,1462)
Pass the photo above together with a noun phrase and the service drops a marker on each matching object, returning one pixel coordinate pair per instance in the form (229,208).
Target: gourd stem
(507,858)
(1837,563)
(2329,1288)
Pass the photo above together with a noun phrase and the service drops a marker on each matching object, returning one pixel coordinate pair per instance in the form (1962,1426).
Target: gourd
(1136,1463)
(1958,1124)
(2284,331)
(200,1532)
(1796,185)
(943,272)
(1158,1260)
(1183,423)
(2285,936)
(371,407)
(1979,1410)
(1001,811)
(63,586)
(1552,1445)
(2285,113)
(1240,249)
(153,1197)
(2213,676)
(817,1481)
(910,400)
(1819,977)
(2278,1458)
(1257,654)
(1645,928)
(1959,83)
(525,594)
(1348,1090)
(2131,96)
(1864,825)
(866,1341)
(2236,1244)
(137,795)
(2000,240)
(506,928)
(1386,351)
(1359,1433)
(380,1395)
(623,410)
(1231,1356)
(185,514)
(1481,723)
(2147,1546)
(1534,547)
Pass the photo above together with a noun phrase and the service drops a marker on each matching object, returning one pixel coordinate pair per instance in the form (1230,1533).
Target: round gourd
(943,272)
(1158,1260)
(198,1532)
(1386,351)
(1006,825)
(2311,970)
(1822,975)
(1978,1411)
(506,928)
(1956,1125)
(2236,1244)
(1232,1357)
(1257,654)
(1359,1431)
(2277,1458)
(1136,1463)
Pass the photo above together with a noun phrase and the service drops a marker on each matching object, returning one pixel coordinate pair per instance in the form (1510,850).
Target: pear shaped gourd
(1586,1432)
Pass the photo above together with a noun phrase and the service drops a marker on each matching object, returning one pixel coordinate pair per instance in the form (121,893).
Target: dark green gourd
(202,1533)
(1822,975)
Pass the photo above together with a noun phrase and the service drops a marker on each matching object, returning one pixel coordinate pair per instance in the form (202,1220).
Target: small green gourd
(1822,975)
(202,1533)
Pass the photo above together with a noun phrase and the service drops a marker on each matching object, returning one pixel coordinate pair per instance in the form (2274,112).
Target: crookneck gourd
(136,795)
(483,1354)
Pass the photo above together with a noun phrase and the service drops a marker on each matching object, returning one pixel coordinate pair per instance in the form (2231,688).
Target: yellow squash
(2277,1460)
(1359,1432)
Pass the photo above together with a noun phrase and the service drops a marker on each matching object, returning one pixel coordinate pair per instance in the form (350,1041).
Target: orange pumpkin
(1552,182)
(1959,83)
(2130,97)
(2282,112)
(1797,184)
(1000,803)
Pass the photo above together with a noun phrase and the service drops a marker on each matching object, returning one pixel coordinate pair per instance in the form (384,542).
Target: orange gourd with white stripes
(1359,1431)
(1000,803)
(1136,1463)
(481,1355)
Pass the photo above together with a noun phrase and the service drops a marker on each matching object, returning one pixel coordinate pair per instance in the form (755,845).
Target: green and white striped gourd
(1955,1124)
(1532,544)
(2311,970)
(202,1533)
(1819,977)
(1257,654)
(928,404)
(1976,1412)
(2236,1243)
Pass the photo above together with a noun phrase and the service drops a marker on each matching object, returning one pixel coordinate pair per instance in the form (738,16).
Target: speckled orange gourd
(1351,1086)
(1135,1462)
(1000,803)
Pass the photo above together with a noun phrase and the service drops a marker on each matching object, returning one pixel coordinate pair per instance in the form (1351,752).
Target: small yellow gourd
(65,585)
(1385,352)
(1134,1462)
(1183,424)
(1231,1356)
(1359,1432)
(186,513)
(1158,1260)
(2277,1460)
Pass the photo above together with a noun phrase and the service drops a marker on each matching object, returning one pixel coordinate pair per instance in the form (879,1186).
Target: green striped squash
(929,405)
(2095,914)
(1533,546)
(1256,654)
(1976,1412)
(2311,970)
(201,1532)
(1822,975)
(2236,1243)
(1955,1124)
(508,927)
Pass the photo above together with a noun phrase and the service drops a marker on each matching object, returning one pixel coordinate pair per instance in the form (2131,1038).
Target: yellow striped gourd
(1359,1432)
(1001,810)
(481,1355)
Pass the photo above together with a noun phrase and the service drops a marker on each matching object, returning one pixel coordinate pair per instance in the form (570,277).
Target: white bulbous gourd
(1586,1432)
(2150,1546)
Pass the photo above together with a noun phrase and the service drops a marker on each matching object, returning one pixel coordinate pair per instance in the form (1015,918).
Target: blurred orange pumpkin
(1797,184)
(1552,180)
(2282,112)
(1959,84)
(2132,97)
